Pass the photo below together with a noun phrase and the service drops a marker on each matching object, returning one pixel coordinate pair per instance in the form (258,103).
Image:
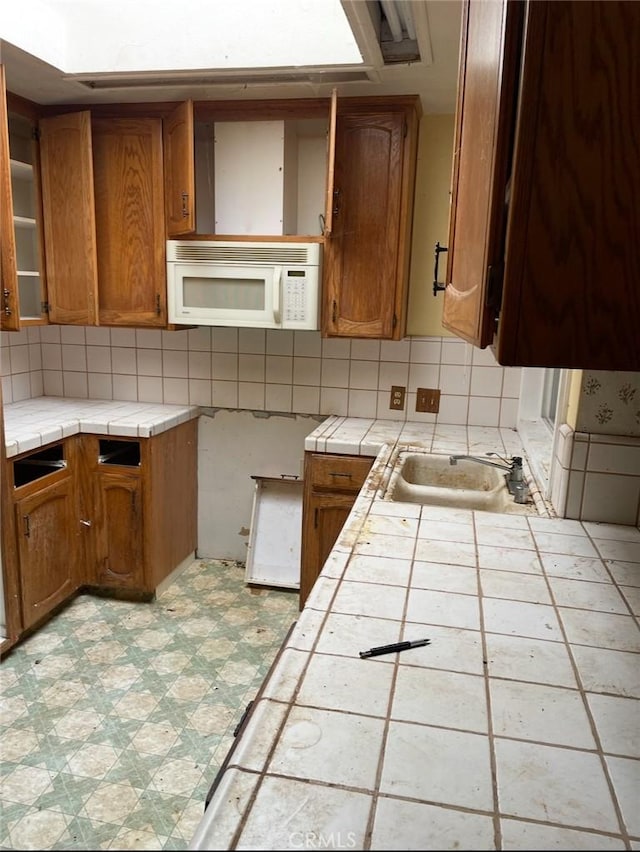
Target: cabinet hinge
(493,293)
(35,134)
(394,321)
(44,307)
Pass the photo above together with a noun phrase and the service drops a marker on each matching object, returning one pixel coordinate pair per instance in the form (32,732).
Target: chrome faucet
(515,478)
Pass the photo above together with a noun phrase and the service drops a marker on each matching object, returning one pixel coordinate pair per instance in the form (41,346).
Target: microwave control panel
(296,297)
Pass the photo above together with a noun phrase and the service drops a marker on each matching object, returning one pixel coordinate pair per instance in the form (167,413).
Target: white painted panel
(249,177)
(233,446)
(273,555)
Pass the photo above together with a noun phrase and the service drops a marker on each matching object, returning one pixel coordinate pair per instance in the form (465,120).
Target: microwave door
(209,294)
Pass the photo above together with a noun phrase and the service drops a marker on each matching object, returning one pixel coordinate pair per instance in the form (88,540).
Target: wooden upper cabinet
(366,257)
(22,268)
(544,256)
(8,265)
(69,218)
(179,170)
(129,212)
(104,219)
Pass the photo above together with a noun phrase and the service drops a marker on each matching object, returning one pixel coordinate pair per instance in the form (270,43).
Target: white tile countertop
(515,728)
(32,423)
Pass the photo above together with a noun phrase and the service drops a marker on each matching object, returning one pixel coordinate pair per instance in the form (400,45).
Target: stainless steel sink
(430,479)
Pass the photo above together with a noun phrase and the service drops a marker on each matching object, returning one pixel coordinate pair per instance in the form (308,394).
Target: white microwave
(245,284)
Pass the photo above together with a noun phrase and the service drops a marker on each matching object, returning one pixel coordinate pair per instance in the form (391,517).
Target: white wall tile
(305,399)
(224,367)
(7,390)
(575,489)
(614,458)
(52,382)
(395,350)
(149,362)
(199,365)
(175,364)
(426,351)
(334,401)
(336,347)
(306,371)
(252,341)
(19,358)
(20,387)
(484,411)
(124,360)
(279,369)
(423,376)
(125,387)
(52,356)
(363,375)
(307,343)
(224,394)
(178,339)
(455,379)
(362,403)
(50,334)
(100,385)
(97,336)
(453,409)
(483,357)
(199,392)
(251,396)
(335,373)
(251,368)
(175,391)
(123,337)
(74,334)
(199,339)
(511,382)
(99,359)
(486,381)
(365,350)
(279,342)
(509,413)
(610,499)
(148,338)
(74,357)
(455,351)
(150,389)
(224,340)
(75,384)
(277,397)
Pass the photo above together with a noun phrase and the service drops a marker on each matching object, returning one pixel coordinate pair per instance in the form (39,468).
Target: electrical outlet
(397,397)
(428,400)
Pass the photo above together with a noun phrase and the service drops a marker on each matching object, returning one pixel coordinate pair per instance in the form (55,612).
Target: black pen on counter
(396,646)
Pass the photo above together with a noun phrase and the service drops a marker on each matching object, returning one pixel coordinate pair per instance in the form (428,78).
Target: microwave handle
(277,277)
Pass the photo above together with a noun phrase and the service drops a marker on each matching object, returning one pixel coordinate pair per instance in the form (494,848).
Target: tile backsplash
(261,370)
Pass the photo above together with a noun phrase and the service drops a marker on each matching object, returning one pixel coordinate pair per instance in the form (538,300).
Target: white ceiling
(35,73)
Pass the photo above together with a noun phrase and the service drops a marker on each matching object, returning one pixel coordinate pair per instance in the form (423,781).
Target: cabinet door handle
(185,199)
(334,315)
(336,201)
(7,310)
(85,523)
(27,528)
(347,475)
(437,287)
(315,518)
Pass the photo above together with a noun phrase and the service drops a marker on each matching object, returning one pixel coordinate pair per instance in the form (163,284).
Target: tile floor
(116,716)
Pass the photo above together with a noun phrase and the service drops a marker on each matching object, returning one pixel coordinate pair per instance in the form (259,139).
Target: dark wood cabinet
(367,253)
(331,485)
(544,258)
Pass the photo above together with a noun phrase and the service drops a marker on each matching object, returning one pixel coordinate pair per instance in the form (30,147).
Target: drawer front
(339,473)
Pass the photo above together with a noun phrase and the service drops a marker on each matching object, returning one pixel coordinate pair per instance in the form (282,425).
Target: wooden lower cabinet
(47,548)
(331,485)
(99,512)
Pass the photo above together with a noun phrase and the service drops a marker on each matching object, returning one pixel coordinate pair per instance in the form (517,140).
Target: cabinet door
(69,218)
(119,530)
(179,170)
(365,278)
(23,300)
(484,117)
(10,317)
(47,530)
(324,517)
(127,159)
(572,267)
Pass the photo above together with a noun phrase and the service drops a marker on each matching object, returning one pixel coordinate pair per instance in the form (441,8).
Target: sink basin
(428,478)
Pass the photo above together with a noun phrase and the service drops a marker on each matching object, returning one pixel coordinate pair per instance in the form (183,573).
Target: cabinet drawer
(338,473)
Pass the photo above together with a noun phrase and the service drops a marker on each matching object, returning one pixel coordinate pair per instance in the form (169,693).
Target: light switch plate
(428,400)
